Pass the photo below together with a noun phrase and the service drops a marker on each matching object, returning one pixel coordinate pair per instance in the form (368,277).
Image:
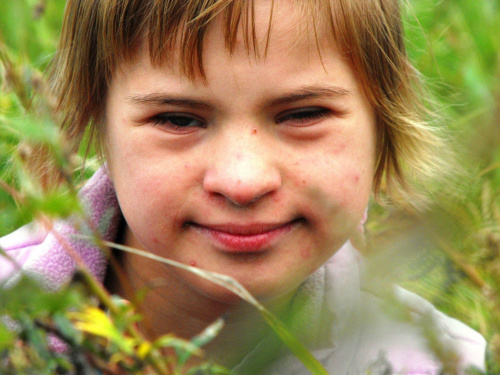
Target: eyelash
(298,117)
(304,115)
(168,120)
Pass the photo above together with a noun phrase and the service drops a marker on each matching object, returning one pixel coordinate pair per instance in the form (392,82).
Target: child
(246,138)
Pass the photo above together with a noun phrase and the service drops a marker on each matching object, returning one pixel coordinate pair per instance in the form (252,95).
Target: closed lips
(245,238)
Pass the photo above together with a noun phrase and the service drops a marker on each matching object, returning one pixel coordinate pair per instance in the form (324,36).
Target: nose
(242,169)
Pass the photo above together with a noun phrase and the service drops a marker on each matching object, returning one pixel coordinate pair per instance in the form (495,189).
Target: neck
(171,306)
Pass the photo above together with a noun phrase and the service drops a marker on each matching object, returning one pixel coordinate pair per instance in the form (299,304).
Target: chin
(263,290)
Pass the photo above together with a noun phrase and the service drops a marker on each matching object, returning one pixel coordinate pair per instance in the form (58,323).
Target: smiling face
(261,172)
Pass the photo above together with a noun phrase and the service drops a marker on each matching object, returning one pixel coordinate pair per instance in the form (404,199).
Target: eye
(178,122)
(303,116)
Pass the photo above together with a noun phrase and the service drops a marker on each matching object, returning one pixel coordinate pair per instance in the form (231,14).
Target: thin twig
(13,192)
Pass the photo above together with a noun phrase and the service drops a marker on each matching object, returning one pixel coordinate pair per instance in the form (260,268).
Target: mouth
(245,238)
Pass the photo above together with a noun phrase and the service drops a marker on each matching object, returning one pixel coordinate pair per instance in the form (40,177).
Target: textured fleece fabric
(346,326)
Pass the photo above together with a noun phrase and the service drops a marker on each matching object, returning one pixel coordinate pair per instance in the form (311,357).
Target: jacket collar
(52,261)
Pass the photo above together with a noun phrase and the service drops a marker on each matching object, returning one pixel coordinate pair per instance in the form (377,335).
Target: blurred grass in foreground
(451,254)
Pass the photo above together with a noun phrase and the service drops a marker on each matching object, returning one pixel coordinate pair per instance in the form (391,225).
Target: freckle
(300,182)
(305,253)
(254,131)
(192,263)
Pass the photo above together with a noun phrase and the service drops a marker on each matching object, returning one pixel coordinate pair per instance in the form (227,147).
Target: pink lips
(245,238)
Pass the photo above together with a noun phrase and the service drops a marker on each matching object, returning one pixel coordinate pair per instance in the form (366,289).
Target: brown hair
(99,34)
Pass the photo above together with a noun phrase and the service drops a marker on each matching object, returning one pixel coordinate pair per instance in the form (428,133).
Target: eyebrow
(309,92)
(159,98)
(304,93)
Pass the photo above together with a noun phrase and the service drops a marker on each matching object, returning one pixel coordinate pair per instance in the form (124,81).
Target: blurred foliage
(67,332)
(28,35)
(449,254)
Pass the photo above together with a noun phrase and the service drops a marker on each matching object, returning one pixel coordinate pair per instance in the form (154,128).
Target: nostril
(242,182)
(242,202)
(238,194)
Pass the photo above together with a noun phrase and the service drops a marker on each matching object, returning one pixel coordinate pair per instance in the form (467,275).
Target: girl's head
(99,35)
(243,137)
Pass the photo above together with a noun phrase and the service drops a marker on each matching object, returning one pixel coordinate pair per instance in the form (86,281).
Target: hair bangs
(182,25)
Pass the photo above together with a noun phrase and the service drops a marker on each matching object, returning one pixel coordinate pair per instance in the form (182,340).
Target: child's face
(261,173)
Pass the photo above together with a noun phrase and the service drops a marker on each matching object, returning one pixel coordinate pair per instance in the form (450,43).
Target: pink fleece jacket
(345,325)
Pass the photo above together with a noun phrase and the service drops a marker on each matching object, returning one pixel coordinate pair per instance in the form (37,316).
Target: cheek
(150,193)
(336,189)
(356,190)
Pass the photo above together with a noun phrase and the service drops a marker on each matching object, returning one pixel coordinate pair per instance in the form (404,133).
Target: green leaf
(200,340)
(7,338)
(57,204)
(300,351)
